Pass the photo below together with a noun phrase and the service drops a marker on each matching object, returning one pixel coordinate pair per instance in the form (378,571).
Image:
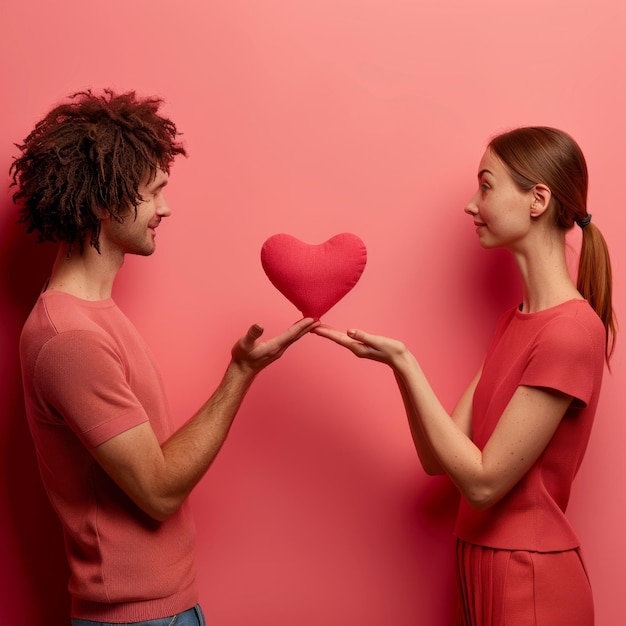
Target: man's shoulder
(62,312)
(59,318)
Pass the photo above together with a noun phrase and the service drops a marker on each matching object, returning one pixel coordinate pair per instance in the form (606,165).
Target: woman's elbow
(482,497)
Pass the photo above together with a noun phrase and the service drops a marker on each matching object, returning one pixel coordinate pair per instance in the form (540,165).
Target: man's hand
(159,477)
(253,356)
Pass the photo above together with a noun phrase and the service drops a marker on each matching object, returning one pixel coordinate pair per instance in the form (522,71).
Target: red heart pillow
(314,277)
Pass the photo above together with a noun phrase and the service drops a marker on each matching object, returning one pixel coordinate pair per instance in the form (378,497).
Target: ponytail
(552,157)
(595,282)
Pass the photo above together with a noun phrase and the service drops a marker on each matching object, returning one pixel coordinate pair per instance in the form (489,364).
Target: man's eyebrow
(158,184)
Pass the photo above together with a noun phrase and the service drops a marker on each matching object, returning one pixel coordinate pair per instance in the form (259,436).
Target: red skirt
(519,588)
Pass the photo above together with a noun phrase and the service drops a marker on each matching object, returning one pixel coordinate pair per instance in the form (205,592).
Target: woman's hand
(365,345)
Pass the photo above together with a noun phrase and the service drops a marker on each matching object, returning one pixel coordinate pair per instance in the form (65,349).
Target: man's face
(136,234)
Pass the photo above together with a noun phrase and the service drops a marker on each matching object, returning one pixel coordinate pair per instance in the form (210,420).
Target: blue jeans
(192,617)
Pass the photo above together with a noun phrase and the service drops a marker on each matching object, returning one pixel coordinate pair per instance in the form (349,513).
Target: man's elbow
(161,508)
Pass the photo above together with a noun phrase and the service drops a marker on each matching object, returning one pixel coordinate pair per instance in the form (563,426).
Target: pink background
(315,118)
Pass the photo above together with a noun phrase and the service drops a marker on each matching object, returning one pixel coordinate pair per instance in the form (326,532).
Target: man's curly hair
(89,156)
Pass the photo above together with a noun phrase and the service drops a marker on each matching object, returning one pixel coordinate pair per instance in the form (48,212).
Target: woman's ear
(541,196)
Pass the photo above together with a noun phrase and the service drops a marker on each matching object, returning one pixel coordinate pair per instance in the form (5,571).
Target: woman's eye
(484,186)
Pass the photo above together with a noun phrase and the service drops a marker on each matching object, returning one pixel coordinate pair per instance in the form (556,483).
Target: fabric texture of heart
(314,277)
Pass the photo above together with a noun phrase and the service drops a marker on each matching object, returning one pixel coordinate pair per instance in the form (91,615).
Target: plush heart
(314,277)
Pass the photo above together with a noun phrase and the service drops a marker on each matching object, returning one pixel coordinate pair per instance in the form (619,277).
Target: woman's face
(501,212)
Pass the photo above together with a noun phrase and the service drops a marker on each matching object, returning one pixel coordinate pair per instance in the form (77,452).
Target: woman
(517,436)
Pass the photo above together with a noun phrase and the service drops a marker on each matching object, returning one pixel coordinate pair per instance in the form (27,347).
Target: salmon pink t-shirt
(88,377)
(560,349)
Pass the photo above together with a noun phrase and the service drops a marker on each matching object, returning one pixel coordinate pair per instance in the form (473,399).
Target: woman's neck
(545,275)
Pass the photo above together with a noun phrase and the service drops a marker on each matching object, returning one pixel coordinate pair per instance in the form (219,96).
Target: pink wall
(314,118)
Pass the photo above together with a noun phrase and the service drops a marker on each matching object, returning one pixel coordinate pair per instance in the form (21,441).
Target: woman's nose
(470,207)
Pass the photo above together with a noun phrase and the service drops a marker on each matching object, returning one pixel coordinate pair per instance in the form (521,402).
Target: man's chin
(142,251)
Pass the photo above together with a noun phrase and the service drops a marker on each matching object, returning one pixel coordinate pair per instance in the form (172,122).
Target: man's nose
(163,208)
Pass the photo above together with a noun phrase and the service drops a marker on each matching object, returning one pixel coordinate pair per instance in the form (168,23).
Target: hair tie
(585,221)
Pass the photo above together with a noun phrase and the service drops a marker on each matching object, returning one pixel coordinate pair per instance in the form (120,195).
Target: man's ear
(102,214)
(541,196)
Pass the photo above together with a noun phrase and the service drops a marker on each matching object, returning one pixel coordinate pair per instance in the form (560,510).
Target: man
(91,176)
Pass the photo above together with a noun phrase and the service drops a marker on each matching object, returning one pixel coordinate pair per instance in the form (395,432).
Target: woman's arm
(483,476)
(462,416)
(522,434)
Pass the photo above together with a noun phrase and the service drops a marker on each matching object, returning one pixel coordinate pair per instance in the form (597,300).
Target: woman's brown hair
(539,154)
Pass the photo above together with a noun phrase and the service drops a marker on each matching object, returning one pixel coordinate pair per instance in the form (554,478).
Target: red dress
(519,560)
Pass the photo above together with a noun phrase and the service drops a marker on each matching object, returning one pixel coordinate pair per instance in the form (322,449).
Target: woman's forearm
(444,444)
(425,452)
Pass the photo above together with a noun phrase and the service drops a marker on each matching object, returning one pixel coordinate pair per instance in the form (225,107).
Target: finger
(329,333)
(295,332)
(368,339)
(339,338)
(305,325)
(305,320)
(254,332)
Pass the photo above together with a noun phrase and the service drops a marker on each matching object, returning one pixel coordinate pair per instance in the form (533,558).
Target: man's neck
(87,275)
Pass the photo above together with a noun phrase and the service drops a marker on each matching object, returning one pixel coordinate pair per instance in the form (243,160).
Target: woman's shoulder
(580,312)
(573,324)
(571,321)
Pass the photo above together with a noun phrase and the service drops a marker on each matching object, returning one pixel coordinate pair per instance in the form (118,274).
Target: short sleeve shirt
(560,349)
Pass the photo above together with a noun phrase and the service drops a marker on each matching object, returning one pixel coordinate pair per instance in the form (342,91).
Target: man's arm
(159,478)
